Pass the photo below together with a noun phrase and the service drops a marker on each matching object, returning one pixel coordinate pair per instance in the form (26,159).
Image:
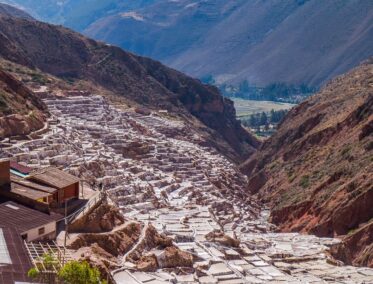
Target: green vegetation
(291,175)
(279,91)
(73,272)
(264,123)
(304,181)
(3,103)
(262,119)
(38,78)
(245,108)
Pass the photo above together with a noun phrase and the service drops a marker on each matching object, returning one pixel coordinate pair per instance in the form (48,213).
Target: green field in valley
(248,107)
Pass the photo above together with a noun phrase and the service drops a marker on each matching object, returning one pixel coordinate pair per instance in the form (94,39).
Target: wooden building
(66,185)
(31,224)
(43,189)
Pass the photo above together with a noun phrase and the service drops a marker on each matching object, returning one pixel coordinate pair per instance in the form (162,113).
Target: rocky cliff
(21,112)
(72,57)
(316,171)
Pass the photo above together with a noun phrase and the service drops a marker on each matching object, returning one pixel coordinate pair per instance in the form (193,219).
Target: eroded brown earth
(187,215)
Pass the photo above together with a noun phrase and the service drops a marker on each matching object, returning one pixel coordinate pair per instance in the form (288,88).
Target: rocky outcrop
(316,171)
(223,239)
(357,247)
(116,242)
(21,112)
(152,239)
(142,81)
(102,218)
(173,257)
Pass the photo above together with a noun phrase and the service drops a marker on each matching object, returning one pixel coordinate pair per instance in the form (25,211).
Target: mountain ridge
(316,171)
(70,56)
(294,42)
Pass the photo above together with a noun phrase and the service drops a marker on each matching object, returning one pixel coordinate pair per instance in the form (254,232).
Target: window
(41,231)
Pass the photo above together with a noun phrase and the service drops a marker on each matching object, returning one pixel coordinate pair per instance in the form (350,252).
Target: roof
(28,192)
(53,177)
(14,215)
(33,185)
(17,260)
(20,168)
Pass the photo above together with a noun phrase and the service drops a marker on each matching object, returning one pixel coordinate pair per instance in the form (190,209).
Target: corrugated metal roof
(53,177)
(14,215)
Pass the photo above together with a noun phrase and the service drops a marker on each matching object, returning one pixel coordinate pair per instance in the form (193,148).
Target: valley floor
(156,172)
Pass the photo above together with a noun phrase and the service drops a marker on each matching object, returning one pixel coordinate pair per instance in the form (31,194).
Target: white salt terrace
(156,172)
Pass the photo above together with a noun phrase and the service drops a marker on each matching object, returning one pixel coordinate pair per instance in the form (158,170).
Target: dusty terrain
(187,214)
(316,171)
(21,112)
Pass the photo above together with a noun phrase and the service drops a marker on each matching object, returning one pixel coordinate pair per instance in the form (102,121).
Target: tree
(253,120)
(46,262)
(263,118)
(75,272)
(244,87)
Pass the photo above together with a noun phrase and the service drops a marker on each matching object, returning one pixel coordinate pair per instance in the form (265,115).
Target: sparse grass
(352,231)
(37,78)
(305,181)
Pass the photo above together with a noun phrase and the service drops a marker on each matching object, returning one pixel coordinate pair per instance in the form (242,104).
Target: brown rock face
(316,171)
(102,218)
(21,112)
(356,248)
(221,238)
(152,239)
(68,55)
(173,257)
(115,243)
(148,263)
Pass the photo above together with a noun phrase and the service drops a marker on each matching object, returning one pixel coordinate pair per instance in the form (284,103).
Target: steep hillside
(77,14)
(21,112)
(284,41)
(262,41)
(295,41)
(316,172)
(68,55)
(8,10)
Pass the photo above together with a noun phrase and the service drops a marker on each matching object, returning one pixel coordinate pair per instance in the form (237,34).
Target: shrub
(305,181)
(75,272)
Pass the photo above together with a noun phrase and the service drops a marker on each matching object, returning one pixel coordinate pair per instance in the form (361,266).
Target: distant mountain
(316,171)
(261,41)
(77,14)
(8,10)
(72,57)
(294,41)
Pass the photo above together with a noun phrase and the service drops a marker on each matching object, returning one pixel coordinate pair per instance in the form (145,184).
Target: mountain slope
(316,171)
(296,41)
(285,41)
(66,54)
(21,112)
(8,10)
(262,41)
